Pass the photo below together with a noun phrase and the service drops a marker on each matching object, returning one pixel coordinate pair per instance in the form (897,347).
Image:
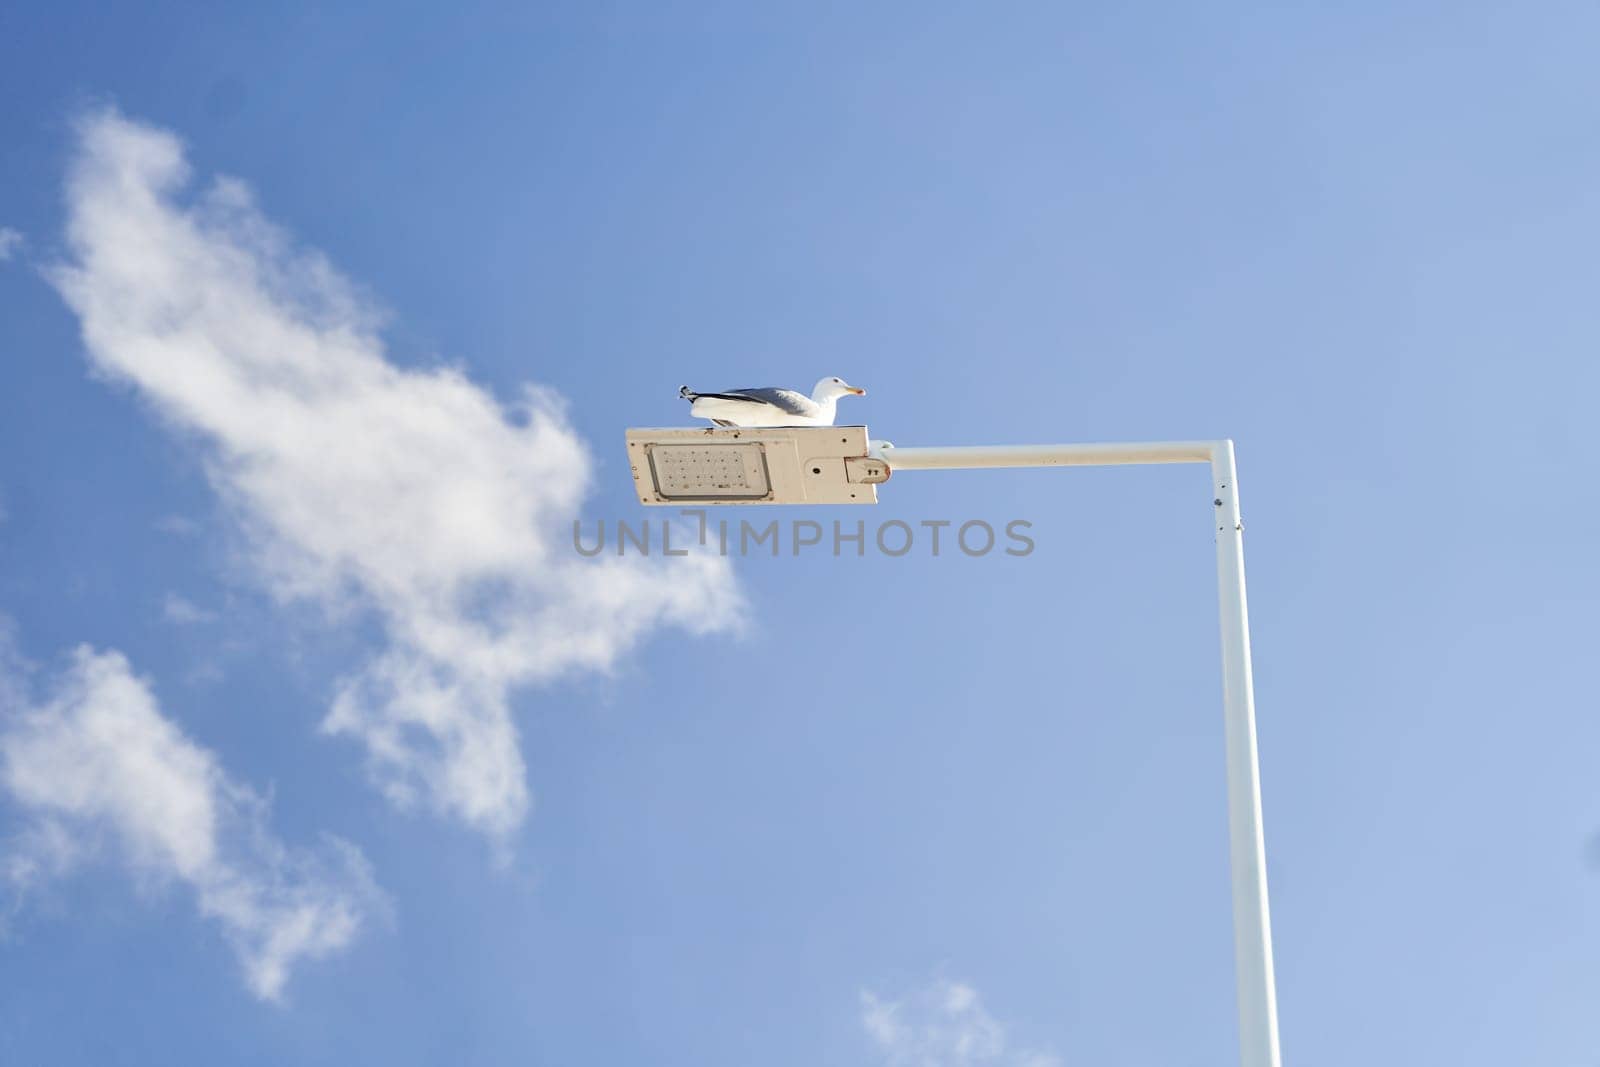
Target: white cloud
(98,765)
(10,243)
(413,494)
(184,612)
(942,1025)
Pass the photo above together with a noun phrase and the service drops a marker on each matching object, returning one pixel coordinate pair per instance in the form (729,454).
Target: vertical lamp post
(837,465)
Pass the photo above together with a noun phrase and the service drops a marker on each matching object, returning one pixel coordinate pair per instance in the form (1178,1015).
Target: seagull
(770,407)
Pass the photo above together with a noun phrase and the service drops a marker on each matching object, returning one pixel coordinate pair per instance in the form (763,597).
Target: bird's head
(830,388)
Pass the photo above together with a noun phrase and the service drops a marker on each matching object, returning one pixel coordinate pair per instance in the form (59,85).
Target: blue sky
(320,745)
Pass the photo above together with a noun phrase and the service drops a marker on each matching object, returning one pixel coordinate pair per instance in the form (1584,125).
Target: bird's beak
(858,392)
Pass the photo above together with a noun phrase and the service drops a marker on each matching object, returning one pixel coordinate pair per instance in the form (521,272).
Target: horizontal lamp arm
(1087,455)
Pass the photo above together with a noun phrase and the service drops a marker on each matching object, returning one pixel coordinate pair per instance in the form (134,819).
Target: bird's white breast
(754,413)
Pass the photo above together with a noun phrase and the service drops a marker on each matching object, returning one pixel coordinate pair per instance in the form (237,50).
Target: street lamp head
(780,465)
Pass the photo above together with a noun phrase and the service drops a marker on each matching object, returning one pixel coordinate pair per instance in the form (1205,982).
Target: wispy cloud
(98,766)
(412,494)
(11,242)
(184,612)
(943,1024)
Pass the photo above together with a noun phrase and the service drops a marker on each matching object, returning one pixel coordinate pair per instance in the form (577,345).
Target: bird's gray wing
(786,400)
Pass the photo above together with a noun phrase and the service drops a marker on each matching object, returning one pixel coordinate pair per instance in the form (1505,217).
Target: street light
(786,465)
(839,465)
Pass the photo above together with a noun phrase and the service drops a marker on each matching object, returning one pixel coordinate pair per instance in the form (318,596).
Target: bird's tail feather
(688,394)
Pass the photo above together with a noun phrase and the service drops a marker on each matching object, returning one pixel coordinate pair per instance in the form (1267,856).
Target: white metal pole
(1252,928)
(1252,925)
